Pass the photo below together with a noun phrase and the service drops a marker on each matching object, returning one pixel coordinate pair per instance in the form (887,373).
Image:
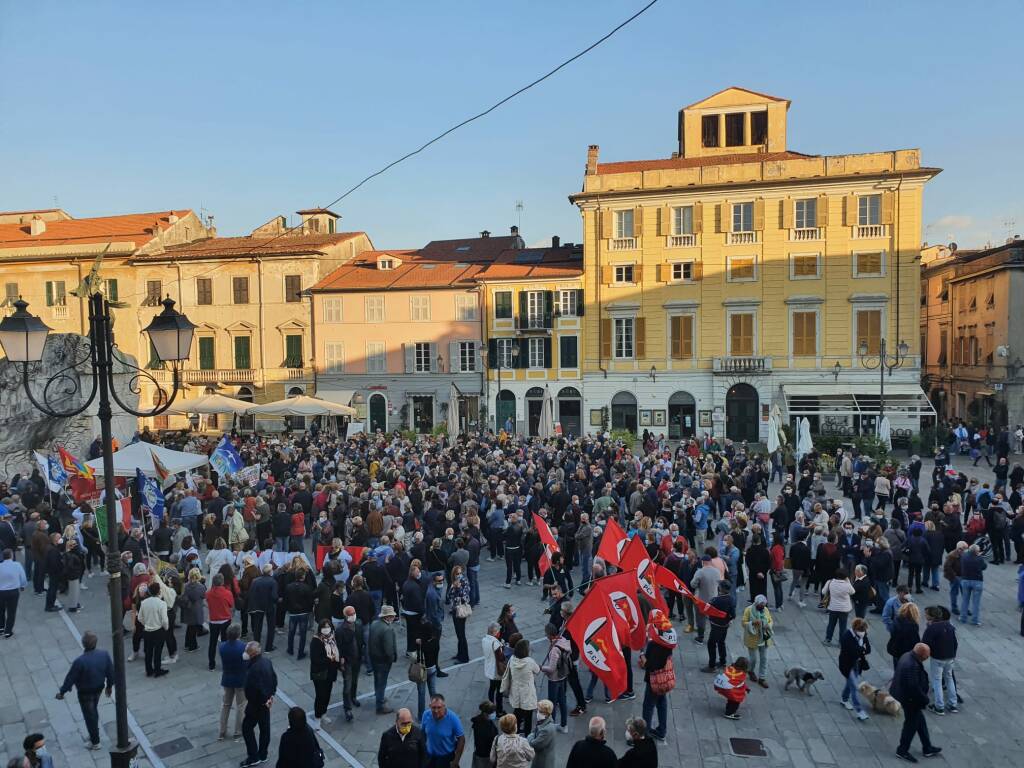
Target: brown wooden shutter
(640,332)
(850,214)
(606,338)
(787,213)
(676,325)
(665,221)
(822,211)
(662,277)
(638,273)
(722,223)
(607,225)
(698,270)
(888,207)
(686,346)
(607,275)
(698,218)
(759,215)
(638,221)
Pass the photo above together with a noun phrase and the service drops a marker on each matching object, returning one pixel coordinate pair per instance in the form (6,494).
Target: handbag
(778,577)
(663,680)
(418,670)
(463,610)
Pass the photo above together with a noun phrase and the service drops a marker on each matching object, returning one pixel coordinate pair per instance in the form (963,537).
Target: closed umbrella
(546,426)
(453,412)
(885,432)
(803,441)
(774,422)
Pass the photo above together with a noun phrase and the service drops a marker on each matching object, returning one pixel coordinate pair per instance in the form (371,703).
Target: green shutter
(243,361)
(49,294)
(155,363)
(207,361)
(293,351)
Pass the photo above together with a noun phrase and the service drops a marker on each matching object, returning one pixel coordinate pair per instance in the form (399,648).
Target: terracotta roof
(736,88)
(672,163)
(536,264)
(130,227)
(471,249)
(413,274)
(26,213)
(246,246)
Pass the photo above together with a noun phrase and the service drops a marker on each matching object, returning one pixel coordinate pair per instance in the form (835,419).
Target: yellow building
(737,274)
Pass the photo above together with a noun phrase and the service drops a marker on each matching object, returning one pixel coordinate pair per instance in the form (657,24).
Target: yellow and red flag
(72,465)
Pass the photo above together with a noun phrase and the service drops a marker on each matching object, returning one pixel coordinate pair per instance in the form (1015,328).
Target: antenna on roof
(519,212)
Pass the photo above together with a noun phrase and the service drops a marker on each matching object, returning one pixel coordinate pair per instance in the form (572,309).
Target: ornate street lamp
(883,362)
(23,337)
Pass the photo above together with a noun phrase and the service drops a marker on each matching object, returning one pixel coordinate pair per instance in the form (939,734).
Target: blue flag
(225,459)
(151,493)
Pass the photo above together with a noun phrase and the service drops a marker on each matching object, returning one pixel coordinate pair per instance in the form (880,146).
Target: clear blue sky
(252,109)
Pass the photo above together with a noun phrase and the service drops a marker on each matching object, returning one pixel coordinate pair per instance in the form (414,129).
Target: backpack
(563,665)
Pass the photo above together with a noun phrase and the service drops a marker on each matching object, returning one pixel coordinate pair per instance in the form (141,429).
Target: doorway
(682,416)
(624,412)
(505,411)
(423,413)
(534,403)
(296,423)
(741,417)
(246,422)
(378,413)
(570,411)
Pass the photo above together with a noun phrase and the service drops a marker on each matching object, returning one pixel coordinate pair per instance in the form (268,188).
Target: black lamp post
(883,362)
(23,337)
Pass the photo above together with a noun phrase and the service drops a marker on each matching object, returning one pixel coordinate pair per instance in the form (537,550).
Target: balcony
(747,364)
(866,231)
(530,323)
(60,312)
(804,234)
(682,241)
(622,244)
(288,374)
(740,238)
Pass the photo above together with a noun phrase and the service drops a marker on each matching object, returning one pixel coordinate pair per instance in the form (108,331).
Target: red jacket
(221,603)
(778,557)
(299,524)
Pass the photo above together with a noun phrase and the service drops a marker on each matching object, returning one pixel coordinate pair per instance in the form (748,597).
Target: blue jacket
(971,566)
(910,682)
(91,672)
(1020,586)
(260,681)
(434,607)
(232,664)
(940,637)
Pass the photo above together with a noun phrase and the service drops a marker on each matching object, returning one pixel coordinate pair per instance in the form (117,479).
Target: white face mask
(245,656)
(350,619)
(325,631)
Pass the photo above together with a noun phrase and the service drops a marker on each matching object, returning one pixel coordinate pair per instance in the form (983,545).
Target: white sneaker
(802,604)
(316,723)
(848,705)
(171,659)
(862,715)
(131,658)
(83,587)
(563,729)
(326,720)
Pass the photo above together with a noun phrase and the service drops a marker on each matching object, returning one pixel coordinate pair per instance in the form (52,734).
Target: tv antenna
(519,213)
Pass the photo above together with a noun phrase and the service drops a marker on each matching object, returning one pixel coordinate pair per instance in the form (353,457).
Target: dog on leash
(802,678)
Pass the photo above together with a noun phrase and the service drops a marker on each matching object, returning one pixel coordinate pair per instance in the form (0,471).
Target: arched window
(624,414)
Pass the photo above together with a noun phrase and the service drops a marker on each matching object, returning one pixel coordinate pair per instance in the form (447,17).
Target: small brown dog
(880,699)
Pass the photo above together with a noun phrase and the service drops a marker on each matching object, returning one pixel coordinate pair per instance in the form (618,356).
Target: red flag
(545,532)
(545,562)
(669,580)
(635,557)
(357,554)
(620,590)
(597,629)
(612,542)
(321,555)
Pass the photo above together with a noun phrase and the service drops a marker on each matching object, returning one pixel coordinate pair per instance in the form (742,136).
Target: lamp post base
(124,758)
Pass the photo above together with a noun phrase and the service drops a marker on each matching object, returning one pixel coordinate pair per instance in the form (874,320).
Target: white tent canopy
(210,404)
(302,405)
(139,455)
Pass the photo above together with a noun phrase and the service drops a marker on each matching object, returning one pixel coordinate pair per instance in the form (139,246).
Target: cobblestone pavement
(178,714)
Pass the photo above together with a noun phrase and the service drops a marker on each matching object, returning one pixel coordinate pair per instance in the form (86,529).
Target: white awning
(340,396)
(846,400)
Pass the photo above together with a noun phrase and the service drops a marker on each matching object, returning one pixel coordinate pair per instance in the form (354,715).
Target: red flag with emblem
(669,580)
(545,532)
(597,629)
(545,561)
(620,590)
(612,542)
(635,557)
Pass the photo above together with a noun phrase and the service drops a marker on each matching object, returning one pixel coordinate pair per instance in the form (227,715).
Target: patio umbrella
(774,422)
(453,412)
(803,440)
(546,426)
(210,404)
(885,432)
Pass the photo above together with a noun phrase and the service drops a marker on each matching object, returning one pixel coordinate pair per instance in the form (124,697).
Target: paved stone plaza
(178,714)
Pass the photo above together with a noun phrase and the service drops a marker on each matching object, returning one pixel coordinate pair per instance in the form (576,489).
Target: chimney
(485,234)
(592,151)
(172,218)
(515,231)
(556,241)
(37,226)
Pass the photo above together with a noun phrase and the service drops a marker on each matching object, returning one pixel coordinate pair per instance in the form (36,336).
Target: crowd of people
(358,552)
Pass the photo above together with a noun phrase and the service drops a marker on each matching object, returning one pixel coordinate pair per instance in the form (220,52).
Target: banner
(613,540)
(597,628)
(636,558)
(620,590)
(248,475)
(56,477)
(225,459)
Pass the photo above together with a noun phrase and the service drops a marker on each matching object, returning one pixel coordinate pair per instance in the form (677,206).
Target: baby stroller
(984,543)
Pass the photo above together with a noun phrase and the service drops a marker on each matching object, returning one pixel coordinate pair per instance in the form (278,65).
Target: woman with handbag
(324,663)
(854,648)
(423,671)
(659,674)
(520,686)
(458,598)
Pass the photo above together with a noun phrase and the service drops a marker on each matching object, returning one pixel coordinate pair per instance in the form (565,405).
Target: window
(293,351)
(503,305)
(869,210)
(869,329)
(990,344)
(805,213)
(374,308)
(332,310)
(536,350)
(55,295)
(682,220)
(154,290)
(467,356)
(330,226)
(11,292)
(943,343)
(386,264)
(623,338)
(204,291)
(742,268)
(803,266)
(568,303)
(465,308)
(568,352)
(535,308)
(624,273)
(423,360)
(682,336)
(420,308)
(682,272)
(292,288)
(334,357)
(734,129)
(624,224)
(504,349)
(207,353)
(110,289)
(709,130)
(741,333)
(240,290)
(805,334)
(743,217)
(243,358)
(868,264)
(376,358)
(759,127)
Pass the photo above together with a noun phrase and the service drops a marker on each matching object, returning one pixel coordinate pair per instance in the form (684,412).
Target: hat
(387,612)
(760,600)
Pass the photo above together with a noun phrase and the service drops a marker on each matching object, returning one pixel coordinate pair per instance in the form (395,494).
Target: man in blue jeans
(90,673)
(657,655)
(556,667)
(972,582)
(298,601)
